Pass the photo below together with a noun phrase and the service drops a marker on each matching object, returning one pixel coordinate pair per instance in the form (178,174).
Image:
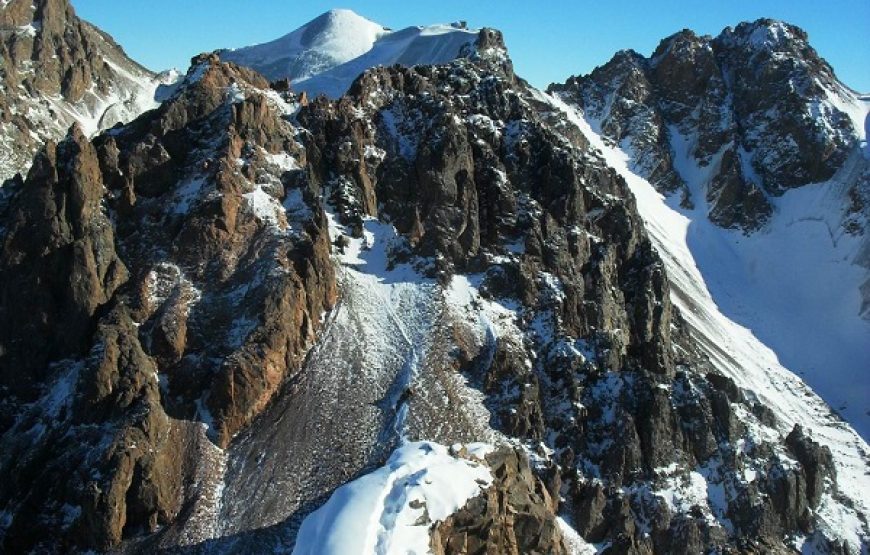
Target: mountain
(333,38)
(761,151)
(56,70)
(327,54)
(442,312)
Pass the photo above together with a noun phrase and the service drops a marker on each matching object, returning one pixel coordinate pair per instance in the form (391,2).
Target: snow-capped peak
(328,53)
(343,34)
(326,41)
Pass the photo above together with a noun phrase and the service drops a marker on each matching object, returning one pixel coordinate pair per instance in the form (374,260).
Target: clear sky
(547,41)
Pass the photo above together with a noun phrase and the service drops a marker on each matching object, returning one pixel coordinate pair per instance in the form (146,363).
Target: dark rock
(58,264)
(816,462)
(742,104)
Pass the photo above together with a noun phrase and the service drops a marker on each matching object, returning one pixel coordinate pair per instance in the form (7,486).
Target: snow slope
(700,263)
(133,93)
(796,283)
(390,510)
(327,54)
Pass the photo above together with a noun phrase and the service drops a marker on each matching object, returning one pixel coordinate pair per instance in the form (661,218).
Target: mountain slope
(733,349)
(755,107)
(241,307)
(58,70)
(761,148)
(325,55)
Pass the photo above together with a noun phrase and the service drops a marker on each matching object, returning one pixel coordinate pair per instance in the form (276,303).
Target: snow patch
(264,206)
(391,510)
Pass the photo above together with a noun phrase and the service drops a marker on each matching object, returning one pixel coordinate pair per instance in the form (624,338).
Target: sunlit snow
(390,510)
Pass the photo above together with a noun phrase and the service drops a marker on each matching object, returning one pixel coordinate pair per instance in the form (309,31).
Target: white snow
(782,270)
(283,161)
(392,306)
(295,206)
(331,39)
(328,53)
(574,541)
(30,29)
(235,94)
(684,491)
(412,46)
(385,512)
(794,284)
(768,36)
(492,318)
(265,207)
(187,193)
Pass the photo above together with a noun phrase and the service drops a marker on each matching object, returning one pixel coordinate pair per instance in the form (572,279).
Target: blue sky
(548,42)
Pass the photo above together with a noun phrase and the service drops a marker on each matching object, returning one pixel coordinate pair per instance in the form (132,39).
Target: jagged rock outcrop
(152,279)
(56,70)
(515,515)
(462,164)
(755,108)
(60,247)
(226,229)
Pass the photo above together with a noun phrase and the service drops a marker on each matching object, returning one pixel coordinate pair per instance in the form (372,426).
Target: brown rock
(515,515)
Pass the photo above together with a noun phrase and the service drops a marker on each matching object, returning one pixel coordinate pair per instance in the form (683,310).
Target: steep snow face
(391,510)
(759,303)
(797,282)
(325,55)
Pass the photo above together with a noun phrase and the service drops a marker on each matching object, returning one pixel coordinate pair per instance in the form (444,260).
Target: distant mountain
(56,69)
(326,54)
(758,145)
(329,40)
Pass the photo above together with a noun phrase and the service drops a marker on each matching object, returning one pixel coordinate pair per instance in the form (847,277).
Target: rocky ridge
(755,107)
(56,70)
(793,195)
(516,515)
(484,177)
(200,322)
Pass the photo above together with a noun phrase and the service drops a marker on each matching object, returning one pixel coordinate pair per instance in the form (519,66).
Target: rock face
(151,279)
(461,178)
(193,248)
(516,515)
(59,240)
(56,70)
(755,107)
